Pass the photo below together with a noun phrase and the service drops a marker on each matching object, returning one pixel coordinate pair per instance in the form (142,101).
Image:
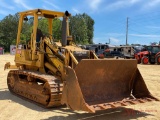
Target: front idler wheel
(11,80)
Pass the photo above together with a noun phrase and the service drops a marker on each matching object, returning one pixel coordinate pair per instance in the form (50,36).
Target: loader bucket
(103,84)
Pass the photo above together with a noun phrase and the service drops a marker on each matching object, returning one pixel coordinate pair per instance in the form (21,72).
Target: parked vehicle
(111,54)
(150,54)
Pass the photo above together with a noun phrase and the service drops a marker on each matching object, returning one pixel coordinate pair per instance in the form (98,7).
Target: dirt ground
(14,108)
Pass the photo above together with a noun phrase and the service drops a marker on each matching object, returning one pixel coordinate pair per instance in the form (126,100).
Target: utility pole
(127,31)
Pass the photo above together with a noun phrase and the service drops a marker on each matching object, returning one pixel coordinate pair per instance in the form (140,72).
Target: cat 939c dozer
(52,73)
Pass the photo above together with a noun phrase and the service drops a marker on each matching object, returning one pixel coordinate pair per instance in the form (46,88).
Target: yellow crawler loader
(51,73)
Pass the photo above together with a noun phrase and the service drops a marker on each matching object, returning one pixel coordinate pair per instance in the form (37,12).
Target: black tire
(138,60)
(158,59)
(145,60)
(152,62)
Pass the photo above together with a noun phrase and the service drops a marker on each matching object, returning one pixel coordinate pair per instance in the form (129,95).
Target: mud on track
(14,108)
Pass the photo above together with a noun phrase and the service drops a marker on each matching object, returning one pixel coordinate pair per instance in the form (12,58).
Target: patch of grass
(6,53)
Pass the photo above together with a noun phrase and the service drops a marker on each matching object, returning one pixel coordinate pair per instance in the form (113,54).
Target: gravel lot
(14,108)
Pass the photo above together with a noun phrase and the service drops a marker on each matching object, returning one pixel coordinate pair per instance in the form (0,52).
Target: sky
(110,17)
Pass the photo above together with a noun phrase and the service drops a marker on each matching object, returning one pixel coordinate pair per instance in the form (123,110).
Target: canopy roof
(44,13)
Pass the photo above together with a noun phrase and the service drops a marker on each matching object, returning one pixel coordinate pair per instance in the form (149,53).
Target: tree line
(81,29)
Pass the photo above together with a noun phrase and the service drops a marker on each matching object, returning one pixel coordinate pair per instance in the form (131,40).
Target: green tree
(43,25)
(78,29)
(8,31)
(90,27)
(26,31)
(56,27)
(57,23)
(81,28)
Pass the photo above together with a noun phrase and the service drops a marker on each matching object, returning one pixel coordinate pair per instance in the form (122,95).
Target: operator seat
(39,35)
